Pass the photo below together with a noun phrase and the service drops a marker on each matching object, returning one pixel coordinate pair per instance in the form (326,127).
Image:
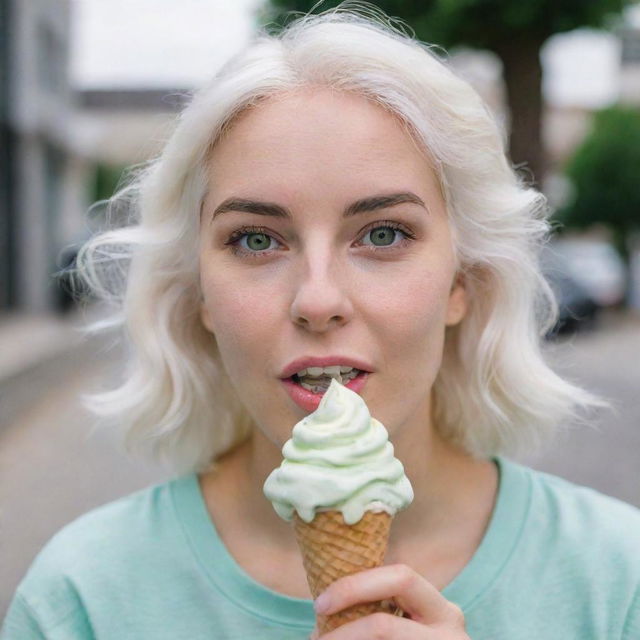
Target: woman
(337,196)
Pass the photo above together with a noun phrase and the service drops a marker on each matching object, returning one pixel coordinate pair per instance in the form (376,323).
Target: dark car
(577,308)
(70,288)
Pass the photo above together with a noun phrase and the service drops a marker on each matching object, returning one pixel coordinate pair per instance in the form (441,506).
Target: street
(54,468)
(606,454)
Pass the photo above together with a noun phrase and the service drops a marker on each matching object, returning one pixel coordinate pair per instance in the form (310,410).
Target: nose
(321,301)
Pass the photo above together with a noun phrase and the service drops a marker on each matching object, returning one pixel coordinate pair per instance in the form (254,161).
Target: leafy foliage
(106,180)
(604,174)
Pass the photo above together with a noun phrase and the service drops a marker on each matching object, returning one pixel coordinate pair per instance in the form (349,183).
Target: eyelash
(242,231)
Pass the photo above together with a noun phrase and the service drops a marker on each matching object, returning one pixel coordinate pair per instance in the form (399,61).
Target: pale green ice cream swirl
(339,458)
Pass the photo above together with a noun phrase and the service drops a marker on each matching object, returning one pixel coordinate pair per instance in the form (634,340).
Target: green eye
(258,241)
(382,236)
(252,242)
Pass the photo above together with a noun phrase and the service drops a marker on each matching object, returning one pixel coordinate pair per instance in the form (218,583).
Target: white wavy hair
(494,393)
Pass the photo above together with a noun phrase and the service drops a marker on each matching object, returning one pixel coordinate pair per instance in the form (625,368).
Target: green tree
(106,180)
(604,175)
(515,30)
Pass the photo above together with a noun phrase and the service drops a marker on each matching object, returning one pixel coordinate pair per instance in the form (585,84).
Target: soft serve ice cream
(339,458)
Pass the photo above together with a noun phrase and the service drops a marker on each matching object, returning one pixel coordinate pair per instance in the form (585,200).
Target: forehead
(314,140)
(315,108)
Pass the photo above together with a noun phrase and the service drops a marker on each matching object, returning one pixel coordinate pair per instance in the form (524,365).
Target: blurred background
(91,87)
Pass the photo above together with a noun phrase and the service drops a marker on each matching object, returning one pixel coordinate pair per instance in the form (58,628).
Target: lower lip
(309,401)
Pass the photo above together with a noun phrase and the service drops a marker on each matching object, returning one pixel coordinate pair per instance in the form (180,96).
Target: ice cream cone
(341,485)
(332,549)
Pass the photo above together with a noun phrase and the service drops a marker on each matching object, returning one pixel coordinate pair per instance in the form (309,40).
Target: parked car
(70,289)
(576,308)
(597,266)
(586,276)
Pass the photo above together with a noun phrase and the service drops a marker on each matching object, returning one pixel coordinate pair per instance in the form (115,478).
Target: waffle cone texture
(332,549)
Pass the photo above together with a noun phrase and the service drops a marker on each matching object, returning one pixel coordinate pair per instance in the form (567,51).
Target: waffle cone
(332,549)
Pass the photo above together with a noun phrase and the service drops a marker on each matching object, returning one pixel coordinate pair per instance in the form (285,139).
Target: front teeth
(305,377)
(333,370)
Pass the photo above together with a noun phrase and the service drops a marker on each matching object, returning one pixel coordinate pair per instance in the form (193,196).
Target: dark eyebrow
(364,205)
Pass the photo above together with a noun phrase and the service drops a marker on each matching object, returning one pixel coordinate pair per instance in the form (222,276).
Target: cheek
(416,298)
(243,315)
(411,312)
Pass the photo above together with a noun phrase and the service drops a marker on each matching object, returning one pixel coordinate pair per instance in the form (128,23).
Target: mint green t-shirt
(557,561)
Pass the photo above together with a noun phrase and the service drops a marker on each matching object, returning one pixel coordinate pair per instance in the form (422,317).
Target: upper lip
(325,361)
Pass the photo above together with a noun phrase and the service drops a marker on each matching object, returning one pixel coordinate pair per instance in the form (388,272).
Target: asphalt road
(605,454)
(54,466)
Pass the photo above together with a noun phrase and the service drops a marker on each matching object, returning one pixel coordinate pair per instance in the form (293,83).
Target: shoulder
(100,551)
(116,525)
(582,546)
(584,511)
(584,529)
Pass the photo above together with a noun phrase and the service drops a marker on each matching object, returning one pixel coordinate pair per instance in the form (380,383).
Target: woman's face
(289,275)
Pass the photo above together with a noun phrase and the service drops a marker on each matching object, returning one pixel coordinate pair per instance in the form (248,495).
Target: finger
(382,625)
(315,634)
(417,597)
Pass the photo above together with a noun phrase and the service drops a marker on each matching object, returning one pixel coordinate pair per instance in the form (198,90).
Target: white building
(43,179)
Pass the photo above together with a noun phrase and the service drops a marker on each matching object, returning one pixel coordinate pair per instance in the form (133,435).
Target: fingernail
(322,603)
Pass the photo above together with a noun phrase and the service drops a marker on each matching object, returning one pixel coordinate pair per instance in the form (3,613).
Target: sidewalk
(36,349)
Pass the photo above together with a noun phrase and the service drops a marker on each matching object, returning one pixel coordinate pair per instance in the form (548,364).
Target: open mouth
(309,398)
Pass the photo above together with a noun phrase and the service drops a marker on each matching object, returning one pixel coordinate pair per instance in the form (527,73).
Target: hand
(427,614)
